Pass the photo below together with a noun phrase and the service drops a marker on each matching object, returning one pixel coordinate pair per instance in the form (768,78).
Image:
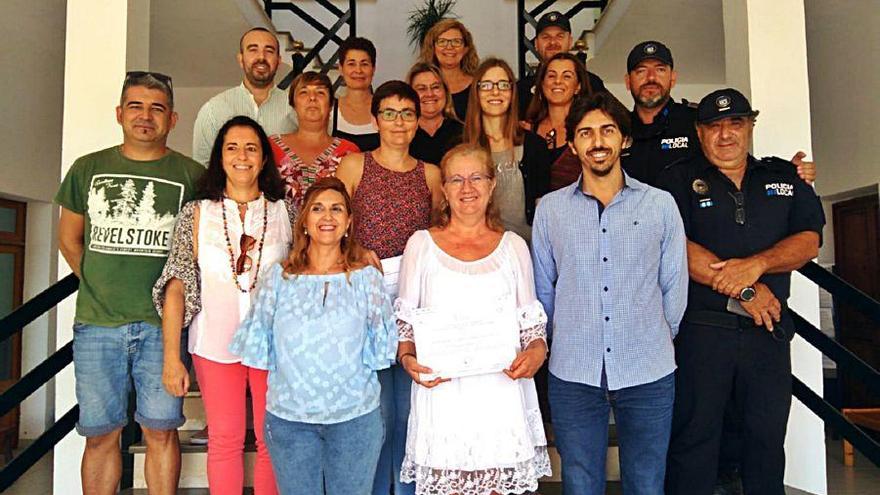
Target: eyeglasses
(450,42)
(739,200)
(390,114)
(244,262)
(137,74)
(502,85)
(475,180)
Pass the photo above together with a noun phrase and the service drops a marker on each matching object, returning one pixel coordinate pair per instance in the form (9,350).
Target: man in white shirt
(256,97)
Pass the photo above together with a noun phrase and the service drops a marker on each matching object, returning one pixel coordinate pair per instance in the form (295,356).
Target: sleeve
(807,213)
(182,265)
(673,181)
(346,147)
(530,314)
(673,266)
(380,347)
(204,132)
(409,285)
(253,339)
(73,191)
(537,161)
(544,264)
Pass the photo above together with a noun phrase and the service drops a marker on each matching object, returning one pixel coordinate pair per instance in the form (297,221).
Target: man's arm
(700,261)
(71,232)
(789,254)
(544,265)
(673,275)
(204,134)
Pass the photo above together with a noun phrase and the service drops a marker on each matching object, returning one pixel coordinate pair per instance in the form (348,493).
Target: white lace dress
(477,434)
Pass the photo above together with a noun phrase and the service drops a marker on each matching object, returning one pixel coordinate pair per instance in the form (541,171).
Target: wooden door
(857,260)
(12,222)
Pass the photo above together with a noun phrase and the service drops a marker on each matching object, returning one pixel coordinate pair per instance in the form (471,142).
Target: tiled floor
(862,479)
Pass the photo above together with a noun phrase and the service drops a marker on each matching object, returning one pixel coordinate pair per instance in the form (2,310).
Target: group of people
(301,255)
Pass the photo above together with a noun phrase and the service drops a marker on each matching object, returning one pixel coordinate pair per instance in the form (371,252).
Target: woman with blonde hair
(522,161)
(439,128)
(450,46)
(322,325)
(479,434)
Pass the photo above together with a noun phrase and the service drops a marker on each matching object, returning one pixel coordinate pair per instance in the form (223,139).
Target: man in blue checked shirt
(611,272)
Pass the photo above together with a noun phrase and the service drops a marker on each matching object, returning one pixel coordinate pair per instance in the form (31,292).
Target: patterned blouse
(322,337)
(298,175)
(213,305)
(390,206)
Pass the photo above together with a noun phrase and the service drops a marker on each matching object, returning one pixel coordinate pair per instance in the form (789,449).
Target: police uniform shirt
(670,137)
(774,203)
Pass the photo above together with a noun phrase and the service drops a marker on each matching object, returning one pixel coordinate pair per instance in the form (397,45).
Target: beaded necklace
(259,246)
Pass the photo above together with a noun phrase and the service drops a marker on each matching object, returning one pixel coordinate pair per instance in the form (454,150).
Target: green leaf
(423,18)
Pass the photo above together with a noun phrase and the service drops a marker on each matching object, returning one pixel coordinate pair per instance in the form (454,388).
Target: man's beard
(656,101)
(609,164)
(260,81)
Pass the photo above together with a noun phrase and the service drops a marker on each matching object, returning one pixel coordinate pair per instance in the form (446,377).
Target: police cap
(724,103)
(553,18)
(646,50)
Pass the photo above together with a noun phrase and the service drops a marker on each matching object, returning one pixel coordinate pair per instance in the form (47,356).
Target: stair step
(250,444)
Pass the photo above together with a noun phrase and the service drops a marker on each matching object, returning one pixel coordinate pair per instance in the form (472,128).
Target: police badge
(700,187)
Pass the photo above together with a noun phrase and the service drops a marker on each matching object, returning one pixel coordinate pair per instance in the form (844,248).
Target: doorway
(12,238)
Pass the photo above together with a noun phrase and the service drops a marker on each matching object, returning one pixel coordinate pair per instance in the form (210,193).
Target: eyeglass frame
(478,177)
(450,42)
(162,78)
(245,244)
(740,212)
(397,113)
(490,85)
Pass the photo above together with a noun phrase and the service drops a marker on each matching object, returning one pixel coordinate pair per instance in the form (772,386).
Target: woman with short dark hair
(351,119)
(223,246)
(309,153)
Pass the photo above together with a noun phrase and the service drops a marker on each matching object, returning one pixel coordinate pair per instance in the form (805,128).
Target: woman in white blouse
(224,245)
(480,434)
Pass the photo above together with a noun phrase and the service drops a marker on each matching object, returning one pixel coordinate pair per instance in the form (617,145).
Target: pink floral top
(298,175)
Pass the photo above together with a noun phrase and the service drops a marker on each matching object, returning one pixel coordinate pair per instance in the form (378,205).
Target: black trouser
(712,363)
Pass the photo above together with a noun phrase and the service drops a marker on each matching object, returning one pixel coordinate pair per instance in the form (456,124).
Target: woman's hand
(414,369)
(529,361)
(175,377)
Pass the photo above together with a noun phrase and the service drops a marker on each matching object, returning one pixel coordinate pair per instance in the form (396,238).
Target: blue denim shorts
(106,360)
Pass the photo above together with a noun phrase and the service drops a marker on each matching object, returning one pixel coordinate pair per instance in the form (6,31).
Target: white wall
(32,63)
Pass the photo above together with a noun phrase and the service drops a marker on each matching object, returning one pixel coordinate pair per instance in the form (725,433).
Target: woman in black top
(450,46)
(351,117)
(439,130)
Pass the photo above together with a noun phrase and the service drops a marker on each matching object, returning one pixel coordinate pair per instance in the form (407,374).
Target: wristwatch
(747,294)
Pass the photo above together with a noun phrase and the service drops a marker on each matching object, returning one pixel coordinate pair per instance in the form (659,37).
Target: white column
(766,59)
(94,69)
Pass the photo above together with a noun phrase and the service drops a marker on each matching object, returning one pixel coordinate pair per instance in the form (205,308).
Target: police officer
(663,129)
(553,36)
(749,223)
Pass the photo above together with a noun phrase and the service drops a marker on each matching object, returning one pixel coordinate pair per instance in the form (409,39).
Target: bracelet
(405,354)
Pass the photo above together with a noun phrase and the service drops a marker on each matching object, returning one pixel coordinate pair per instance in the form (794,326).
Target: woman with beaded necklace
(224,244)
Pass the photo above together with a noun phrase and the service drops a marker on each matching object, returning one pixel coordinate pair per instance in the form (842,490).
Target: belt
(731,321)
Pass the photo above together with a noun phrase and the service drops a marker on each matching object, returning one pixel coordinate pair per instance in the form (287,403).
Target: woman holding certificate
(472,336)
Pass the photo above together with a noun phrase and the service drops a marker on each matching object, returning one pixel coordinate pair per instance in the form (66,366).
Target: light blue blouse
(322,338)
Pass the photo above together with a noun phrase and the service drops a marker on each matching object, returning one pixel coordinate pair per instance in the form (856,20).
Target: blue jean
(643,416)
(310,458)
(105,362)
(394,404)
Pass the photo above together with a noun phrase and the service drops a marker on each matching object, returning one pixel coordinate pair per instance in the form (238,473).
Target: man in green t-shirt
(118,208)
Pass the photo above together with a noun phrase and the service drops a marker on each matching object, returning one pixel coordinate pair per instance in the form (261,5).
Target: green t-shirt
(129,208)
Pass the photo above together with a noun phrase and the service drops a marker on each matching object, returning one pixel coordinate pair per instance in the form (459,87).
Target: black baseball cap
(724,103)
(646,50)
(553,18)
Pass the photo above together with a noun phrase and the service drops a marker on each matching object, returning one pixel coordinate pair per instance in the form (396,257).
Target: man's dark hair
(604,102)
(251,30)
(149,80)
(399,89)
(357,43)
(213,182)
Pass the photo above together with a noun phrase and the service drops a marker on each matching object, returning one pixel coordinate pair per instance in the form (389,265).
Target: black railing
(529,17)
(847,362)
(328,34)
(36,378)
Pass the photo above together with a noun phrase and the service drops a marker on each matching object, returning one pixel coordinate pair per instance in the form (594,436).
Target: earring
(305,232)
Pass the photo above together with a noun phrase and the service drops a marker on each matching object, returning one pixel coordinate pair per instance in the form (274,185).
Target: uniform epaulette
(689,104)
(678,163)
(778,164)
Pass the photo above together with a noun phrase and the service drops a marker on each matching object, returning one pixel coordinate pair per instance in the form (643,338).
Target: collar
(751,162)
(661,121)
(628,183)
(272,91)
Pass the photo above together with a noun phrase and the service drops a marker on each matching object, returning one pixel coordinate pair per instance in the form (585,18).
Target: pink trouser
(223,394)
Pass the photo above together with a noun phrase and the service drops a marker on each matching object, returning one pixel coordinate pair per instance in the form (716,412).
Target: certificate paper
(465,344)
(391,270)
